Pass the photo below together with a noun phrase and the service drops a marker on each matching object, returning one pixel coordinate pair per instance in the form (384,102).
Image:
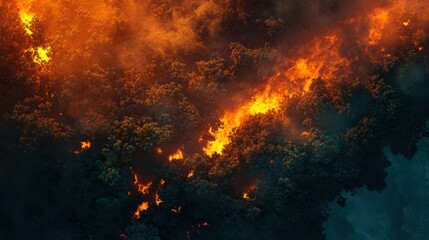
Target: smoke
(398,212)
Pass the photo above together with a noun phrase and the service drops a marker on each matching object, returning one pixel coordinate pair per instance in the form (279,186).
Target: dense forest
(186,119)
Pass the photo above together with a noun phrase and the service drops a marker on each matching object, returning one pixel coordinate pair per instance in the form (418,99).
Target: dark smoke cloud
(399,212)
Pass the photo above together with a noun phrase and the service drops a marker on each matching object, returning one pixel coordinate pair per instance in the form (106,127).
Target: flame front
(323,60)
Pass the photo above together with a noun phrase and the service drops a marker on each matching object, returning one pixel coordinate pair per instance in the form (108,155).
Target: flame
(41,55)
(85,145)
(248,191)
(158,150)
(142,188)
(378,21)
(191,174)
(178,155)
(26,16)
(177,209)
(323,60)
(26,19)
(305,134)
(144,206)
(158,200)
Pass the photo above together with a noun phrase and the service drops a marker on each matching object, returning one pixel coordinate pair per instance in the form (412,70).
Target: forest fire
(324,60)
(217,119)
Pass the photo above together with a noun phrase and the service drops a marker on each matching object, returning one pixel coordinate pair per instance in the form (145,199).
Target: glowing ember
(246,194)
(177,209)
(305,134)
(191,174)
(406,23)
(158,150)
(178,155)
(144,206)
(158,200)
(85,145)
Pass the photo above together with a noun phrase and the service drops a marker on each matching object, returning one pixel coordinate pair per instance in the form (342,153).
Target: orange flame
(191,174)
(85,145)
(158,200)
(378,21)
(41,55)
(142,188)
(178,155)
(158,150)
(177,209)
(144,206)
(323,60)
(246,194)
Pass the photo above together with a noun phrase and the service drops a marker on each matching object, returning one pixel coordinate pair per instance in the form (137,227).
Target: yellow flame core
(41,55)
(324,60)
(259,105)
(26,19)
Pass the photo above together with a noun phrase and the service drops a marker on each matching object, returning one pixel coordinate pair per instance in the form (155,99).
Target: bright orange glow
(41,55)
(142,188)
(322,60)
(144,206)
(178,155)
(260,104)
(378,21)
(158,200)
(85,145)
(158,150)
(406,23)
(26,19)
(26,15)
(191,174)
(305,134)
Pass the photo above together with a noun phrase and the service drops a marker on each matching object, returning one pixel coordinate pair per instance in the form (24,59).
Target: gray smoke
(400,212)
